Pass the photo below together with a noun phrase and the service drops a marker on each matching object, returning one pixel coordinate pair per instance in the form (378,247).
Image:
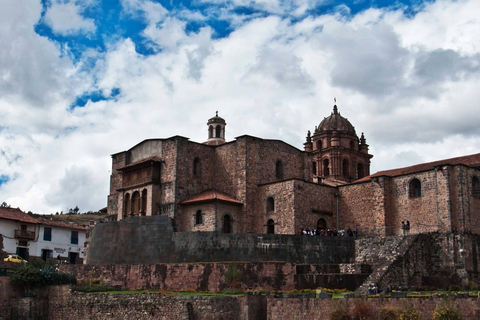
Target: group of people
(405,226)
(328,232)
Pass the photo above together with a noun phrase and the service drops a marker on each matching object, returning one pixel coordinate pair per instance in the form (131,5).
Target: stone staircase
(380,253)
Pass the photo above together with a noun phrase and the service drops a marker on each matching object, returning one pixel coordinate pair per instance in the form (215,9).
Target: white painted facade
(31,237)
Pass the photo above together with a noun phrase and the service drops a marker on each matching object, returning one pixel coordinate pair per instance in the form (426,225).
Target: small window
(199,217)
(271,226)
(270,204)
(74,237)
(321,223)
(144,202)
(319,144)
(346,168)
(279,169)
(218,131)
(326,167)
(210,131)
(47,234)
(415,188)
(127,208)
(314,167)
(352,145)
(227,224)
(197,167)
(475,187)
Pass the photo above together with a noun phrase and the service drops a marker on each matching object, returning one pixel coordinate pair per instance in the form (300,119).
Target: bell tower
(216,130)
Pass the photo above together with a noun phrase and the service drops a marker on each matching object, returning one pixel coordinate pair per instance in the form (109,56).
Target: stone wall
(60,303)
(151,240)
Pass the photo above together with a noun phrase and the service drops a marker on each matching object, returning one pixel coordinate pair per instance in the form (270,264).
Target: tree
(4,205)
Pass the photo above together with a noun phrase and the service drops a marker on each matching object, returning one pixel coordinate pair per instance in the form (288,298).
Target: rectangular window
(47,234)
(74,238)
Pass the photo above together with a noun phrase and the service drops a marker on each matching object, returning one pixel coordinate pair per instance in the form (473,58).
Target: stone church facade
(254,185)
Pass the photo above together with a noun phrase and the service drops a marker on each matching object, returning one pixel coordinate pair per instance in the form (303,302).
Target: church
(254,185)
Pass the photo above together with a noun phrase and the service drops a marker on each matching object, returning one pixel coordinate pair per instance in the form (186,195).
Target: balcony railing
(24,234)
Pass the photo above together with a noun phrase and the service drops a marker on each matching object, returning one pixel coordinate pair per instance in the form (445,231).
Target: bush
(363,310)
(389,313)
(446,312)
(338,312)
(409,313)
(38,274)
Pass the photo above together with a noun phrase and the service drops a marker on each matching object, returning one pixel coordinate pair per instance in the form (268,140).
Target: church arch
(270,204)
(360,170)
(136,203)
(279,169)
(321,223)
(415,188)
(144,202)
(270,226)
(227,224)
(218,132)
(126,209)
(210,132)
(475,187)
(346,168)
(326,167)
(199,217)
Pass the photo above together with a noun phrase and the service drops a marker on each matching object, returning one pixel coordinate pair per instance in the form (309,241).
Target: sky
(83,79)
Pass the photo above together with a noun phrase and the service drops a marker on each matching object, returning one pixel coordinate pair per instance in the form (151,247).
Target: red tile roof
(61,224)
(212,195)
(471,161)
(17,215)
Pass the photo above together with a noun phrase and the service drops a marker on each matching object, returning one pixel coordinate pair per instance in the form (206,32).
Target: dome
(216,119)
(335,122)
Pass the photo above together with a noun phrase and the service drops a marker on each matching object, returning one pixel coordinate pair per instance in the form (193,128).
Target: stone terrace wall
(150,240)
(211,276)
(59,303)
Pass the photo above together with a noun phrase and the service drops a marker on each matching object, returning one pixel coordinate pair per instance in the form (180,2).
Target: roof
(60,224)
(17,215)
(471,161)
(141,162)
(335,122)
(212,195)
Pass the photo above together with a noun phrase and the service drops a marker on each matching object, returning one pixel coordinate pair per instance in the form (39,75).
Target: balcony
(24,234)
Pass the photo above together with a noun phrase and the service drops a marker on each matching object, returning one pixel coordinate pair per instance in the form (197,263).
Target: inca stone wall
(151,240)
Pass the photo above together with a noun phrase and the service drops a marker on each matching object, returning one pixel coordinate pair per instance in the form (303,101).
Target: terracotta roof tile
(212,195)
(471,160)
(61,224)
(17,215)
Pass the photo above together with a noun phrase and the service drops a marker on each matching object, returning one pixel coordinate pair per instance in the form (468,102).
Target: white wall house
(31,237)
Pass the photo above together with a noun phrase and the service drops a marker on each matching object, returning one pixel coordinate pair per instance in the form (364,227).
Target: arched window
(279,169)
(321,224)
(144,202)
(136,203)
(270,226)
(126,211)
(326,167)
(346,168)
(475,187)
(270,204)
(210,132)
(197,167)
(319,144)
(199,217)
(314,167)
(227,224)
(360,171)
(415,188)
(218,131)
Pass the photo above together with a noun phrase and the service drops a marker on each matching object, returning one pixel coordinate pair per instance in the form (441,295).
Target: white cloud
(66,18)
(410,83)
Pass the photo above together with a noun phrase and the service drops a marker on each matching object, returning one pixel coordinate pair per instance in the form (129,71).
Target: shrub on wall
(37,274)
(338,312)
(363,309)
(446,311)
(409,313)
(389,313)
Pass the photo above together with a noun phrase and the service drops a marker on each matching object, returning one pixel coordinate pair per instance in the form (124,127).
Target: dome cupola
(335,122)
(216,130)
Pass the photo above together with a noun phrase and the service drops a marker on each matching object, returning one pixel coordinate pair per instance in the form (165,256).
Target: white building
(31,237)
